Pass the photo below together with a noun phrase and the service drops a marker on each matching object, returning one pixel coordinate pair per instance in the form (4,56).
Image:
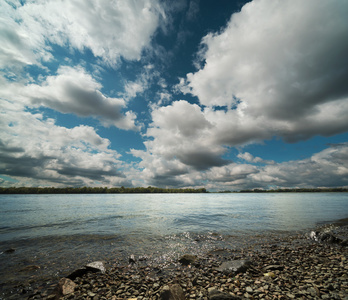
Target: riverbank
(294,267)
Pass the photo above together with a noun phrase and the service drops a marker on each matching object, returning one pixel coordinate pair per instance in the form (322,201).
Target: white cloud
(75,91)
(181,131)
(142,83)
(281,66)
(36,149)
(197,137)
(185,148)
(251,159)
(110,29)
(324,169)
(164,97)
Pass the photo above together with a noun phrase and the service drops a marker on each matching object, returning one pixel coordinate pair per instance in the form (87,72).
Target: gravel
(293,268)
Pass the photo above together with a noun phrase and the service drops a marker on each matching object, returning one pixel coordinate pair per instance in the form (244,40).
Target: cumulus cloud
(278,66)
(185,149)
(75,91)
(34,149)
(196,138)
(142,83)
(324,169)
(250,158)
(110,29)
(181,131)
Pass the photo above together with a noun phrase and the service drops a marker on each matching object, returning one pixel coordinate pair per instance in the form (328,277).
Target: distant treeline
(297,190)
(148,190)
(95,190)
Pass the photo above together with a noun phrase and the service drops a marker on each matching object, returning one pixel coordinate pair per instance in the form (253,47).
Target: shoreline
(291,267)
(151,190)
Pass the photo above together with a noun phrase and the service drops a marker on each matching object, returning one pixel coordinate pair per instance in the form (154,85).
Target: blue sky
(227,96)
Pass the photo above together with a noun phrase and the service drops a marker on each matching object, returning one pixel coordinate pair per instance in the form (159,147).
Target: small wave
(8,229)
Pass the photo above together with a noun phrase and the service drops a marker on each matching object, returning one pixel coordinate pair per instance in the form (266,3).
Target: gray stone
(96,266)
(172,292)
(66,286)
(273,268)
(132,259)
(234,266)
(324,237)
(187,259)
(93,267)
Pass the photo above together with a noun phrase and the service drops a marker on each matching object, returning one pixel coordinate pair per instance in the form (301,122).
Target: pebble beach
(295,267)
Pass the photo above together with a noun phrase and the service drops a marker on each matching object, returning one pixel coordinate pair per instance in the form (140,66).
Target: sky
(225,95)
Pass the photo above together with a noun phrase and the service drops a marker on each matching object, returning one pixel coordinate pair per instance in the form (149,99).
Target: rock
(329,238)
(274,268)
(93,267)
(9,251)
(187,259)
(172,292)
(78,273)
(91,294)
(30,268)
(131,259)
(326,237)
(66,286)
(314,291)
(344,243)
(269,274)
(96,266)
(214,294)
(234,266)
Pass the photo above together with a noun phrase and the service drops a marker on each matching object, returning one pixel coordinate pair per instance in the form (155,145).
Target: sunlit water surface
(62,232)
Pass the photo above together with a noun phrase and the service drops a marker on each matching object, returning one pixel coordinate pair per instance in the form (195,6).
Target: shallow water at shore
(55,234)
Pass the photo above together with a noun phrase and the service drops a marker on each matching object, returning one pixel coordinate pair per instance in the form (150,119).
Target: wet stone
(187,259)
(10,251)
(234,266)
(309,270)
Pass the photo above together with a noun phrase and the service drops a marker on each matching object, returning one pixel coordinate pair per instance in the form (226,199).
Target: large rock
(93,267)
(9,251)
(187,259)
(172,292)
(96,266)
(324,237)
(234,266)
(66,286)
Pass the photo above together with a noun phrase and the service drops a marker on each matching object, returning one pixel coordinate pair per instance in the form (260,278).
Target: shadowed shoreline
(287,267)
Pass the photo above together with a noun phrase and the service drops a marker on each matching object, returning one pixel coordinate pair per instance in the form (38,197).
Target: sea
(43,237)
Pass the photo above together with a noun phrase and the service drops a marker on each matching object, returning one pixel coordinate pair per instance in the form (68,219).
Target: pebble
(301,270)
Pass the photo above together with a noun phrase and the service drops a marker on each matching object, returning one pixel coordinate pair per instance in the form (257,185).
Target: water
(61,232)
